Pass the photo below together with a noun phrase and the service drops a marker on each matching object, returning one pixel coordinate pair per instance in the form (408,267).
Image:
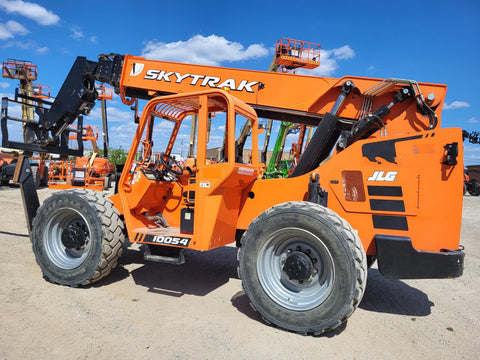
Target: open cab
(190,202)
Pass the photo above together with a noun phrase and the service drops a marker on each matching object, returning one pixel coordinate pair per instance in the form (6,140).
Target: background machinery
(30,96)
(472,172)
(290,55)
(366,185)
(91,172)
(7,167)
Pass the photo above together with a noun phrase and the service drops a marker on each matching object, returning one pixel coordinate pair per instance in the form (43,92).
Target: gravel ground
(148,310)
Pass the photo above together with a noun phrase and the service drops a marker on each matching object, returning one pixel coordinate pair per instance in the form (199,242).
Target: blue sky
(427,41)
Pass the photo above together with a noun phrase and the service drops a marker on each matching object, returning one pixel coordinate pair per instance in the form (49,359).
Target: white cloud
(122,135)
(329,61)
(26,45)
(30,10)
(470,148)
(76,32)
(342,53)
(473,120)
(16,27)
(471,154)
(456,105)
(116,115)
(42,50)
(4,85)
(12,28)
(2,95)
(210,50)
(5,33)
(30,44)
(113,114)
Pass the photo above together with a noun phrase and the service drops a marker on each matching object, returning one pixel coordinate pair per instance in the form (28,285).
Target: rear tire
(303,267)
(77,237)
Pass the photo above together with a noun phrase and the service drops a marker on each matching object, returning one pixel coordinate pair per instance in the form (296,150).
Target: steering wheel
(171,165)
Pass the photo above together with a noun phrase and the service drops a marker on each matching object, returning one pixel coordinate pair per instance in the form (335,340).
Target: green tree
(117,156)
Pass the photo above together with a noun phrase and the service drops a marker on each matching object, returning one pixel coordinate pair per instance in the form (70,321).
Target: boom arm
(279,96)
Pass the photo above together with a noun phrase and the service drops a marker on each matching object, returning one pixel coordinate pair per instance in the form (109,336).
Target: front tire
(77,237)
(302,267)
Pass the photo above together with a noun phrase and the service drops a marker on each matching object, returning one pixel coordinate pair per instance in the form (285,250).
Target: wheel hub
(73,237)
(298,266)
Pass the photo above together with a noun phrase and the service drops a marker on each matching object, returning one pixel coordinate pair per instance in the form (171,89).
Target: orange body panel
(415,195)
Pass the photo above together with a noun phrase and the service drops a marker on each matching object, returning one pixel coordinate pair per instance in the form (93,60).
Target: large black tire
(77,237)
(303,267)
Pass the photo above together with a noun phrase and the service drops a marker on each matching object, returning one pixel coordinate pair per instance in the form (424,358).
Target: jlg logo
(378,176)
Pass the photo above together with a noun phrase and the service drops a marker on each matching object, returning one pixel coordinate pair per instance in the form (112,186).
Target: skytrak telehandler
(365,187)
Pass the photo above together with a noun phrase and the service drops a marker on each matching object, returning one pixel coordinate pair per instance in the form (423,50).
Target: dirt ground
(148,310)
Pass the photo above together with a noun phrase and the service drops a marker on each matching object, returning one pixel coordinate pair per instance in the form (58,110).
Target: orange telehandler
(366,186)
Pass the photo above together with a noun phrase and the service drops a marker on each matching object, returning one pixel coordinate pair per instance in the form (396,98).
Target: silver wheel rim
(66,257)
(291,293)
